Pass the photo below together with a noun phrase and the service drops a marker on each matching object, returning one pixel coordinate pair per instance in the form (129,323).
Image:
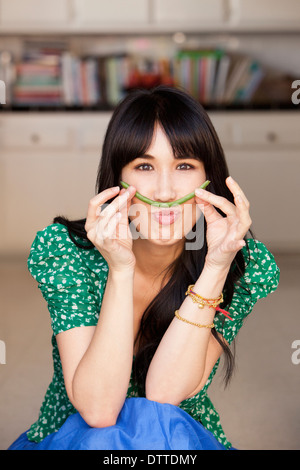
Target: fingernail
(230,179)
(199,191)
(131,189)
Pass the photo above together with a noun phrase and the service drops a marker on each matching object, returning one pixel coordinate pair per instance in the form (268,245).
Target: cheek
(127,175)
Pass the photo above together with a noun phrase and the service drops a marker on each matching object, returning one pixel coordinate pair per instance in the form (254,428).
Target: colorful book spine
(52,74)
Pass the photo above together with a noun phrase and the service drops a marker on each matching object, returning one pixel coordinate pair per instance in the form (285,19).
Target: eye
(187,165)
(147,166)
(141,167)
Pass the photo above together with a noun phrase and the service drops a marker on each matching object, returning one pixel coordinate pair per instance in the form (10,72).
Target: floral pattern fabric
(72,281)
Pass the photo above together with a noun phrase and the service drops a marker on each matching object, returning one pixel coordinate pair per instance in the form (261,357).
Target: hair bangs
(185,128)
(184,140)
(134,134)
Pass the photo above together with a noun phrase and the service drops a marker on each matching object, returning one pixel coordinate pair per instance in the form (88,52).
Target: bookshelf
(94,73)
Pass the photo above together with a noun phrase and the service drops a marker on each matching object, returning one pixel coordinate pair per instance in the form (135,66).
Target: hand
(224,234)
(109,230)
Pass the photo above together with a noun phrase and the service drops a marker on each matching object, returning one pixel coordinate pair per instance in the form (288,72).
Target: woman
(138,316)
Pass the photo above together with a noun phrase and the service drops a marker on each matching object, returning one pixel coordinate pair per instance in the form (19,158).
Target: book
(245,94)
(196,72)
(221,79)
(66,77)
(239,71)
(38,75)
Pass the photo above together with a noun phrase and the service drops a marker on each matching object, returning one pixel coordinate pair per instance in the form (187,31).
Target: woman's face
(161,177)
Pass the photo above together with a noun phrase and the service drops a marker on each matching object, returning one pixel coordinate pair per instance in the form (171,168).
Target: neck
(151,259)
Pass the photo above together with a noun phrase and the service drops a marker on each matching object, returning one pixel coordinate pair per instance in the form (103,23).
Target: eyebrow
(179,157)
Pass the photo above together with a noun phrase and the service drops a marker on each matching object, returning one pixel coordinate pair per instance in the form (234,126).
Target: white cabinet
(45,175)
(43,135)
(265,14)
(112,12)
(146,16)
(49,162)
(73,15)
(270,180)
(191,13)
(29,13)
(263,154)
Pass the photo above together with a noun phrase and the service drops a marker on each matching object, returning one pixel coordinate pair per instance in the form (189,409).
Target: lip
(166,216)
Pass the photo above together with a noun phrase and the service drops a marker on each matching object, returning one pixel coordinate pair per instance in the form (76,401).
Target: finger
(123,230)
(244,218)
(122,209)
(118,204)
(108,232)
(123,225)
(236,190)
(98,201)
(236,245)
(218,201)
(209,212)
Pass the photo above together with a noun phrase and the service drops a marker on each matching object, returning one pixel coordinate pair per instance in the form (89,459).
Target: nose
(164,190)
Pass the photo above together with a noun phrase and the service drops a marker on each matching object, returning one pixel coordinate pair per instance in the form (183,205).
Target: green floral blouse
(72,281)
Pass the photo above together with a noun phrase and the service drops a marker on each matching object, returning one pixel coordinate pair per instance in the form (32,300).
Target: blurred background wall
(65,64)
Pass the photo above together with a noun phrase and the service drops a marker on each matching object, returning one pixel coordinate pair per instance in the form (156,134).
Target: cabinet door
(37,188)
(188,12)
(270,181)
(111,12)
(3,200)
(262,151)
(264,13)
(33,12)
(50,169)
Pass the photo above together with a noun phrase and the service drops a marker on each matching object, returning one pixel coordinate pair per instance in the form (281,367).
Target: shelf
(100,108)
(149,29)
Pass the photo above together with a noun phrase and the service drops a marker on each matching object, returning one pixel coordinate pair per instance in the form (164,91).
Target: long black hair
(190,132)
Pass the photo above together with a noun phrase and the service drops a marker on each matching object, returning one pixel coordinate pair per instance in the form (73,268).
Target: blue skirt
(142,425)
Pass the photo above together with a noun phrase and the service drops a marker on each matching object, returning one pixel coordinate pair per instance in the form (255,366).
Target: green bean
(165,204)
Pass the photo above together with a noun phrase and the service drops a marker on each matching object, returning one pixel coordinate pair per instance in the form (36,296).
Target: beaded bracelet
(191,323)
(202,301)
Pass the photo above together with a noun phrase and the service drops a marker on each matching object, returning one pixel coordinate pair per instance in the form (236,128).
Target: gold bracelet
(201,301)
(191,323)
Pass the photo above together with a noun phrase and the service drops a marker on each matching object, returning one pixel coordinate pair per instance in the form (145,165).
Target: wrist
(214,270)
(211,282)
(121,274)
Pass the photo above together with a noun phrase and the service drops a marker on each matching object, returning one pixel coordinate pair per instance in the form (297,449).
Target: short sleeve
(261,277)
(68,284)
